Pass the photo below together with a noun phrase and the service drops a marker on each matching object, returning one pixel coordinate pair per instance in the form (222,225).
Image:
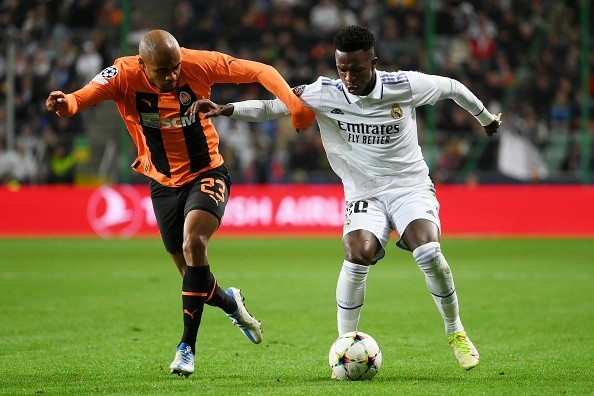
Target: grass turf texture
(84,316)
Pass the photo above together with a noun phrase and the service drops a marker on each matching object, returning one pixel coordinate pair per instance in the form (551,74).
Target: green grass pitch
(87,316)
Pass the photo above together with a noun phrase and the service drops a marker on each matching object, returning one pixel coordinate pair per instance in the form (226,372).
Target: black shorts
(208,192)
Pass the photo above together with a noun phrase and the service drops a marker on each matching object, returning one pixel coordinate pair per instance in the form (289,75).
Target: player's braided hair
(354,38)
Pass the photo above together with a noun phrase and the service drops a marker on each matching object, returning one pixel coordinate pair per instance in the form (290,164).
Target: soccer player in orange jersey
(179,152)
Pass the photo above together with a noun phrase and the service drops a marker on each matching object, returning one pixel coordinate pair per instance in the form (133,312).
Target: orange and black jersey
(174,148)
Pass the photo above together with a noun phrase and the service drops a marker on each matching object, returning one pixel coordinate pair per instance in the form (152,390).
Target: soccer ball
(355,356)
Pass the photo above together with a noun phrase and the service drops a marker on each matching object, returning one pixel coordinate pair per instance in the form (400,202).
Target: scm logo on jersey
(177,122)
(152,120)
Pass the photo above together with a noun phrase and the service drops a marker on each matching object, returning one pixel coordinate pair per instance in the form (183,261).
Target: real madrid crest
(396,111)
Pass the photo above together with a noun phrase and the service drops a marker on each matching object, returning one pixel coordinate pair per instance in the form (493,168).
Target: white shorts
(393,210)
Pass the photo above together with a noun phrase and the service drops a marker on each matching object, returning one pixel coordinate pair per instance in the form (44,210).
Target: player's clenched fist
(56,101)
(492,128)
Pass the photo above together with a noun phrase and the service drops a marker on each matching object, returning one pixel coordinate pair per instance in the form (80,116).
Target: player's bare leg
(180,262)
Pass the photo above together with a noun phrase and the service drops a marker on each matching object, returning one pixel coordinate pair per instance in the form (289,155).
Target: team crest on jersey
(396,111)
(298,91)
(105,74)
(184,98)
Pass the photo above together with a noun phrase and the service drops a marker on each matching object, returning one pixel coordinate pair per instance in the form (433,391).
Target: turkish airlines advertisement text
(123,211)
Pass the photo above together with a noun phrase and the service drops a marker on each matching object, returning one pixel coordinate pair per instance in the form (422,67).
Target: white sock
(440,283)
(350,295)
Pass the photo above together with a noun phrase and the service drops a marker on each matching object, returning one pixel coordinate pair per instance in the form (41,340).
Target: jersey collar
(376,93)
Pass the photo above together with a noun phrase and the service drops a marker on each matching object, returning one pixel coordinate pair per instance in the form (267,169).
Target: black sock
(219,298)
(194,293)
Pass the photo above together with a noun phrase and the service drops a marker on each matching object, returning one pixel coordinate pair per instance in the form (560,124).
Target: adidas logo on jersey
(336,111)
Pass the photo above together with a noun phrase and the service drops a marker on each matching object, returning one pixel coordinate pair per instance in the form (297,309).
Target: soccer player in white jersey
(368,127)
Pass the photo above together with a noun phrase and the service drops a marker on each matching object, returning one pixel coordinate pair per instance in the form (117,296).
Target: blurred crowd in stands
(519,57)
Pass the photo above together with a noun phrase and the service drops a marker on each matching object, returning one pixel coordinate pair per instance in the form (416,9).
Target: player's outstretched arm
(248,110)
(270,78)
(67,105)
(448,88)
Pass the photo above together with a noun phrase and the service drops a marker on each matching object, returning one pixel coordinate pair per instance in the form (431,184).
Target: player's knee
(195,246)
(359,256)
(360,248)
(420,232)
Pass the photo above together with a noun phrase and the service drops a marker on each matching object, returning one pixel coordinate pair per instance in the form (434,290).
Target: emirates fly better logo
(117,212)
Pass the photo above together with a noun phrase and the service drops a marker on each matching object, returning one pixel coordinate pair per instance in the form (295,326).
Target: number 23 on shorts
(215,188)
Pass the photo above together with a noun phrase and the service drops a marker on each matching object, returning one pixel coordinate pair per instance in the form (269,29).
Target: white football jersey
(371,141)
